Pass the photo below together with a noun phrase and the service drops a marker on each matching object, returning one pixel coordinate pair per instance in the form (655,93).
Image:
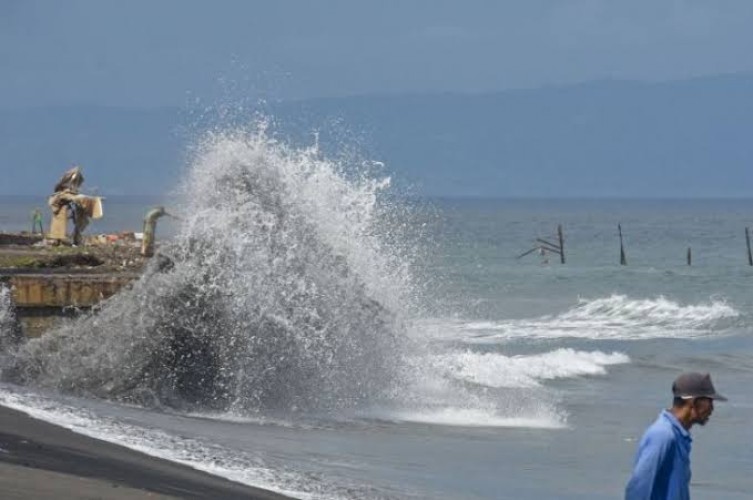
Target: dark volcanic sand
(42,461)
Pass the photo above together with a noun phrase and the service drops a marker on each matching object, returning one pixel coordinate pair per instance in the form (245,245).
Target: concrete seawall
(49,282)
(41,299)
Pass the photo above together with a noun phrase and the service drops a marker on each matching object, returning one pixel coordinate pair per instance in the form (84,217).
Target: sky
(150,53)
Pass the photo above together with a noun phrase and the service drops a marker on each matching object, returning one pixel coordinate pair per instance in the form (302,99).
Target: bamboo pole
(747,241)
(527,252)
(562,243)
(623,259)
(548,245)
(690,257)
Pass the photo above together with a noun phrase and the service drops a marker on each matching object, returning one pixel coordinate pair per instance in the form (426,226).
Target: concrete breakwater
(40,300)
(51,283)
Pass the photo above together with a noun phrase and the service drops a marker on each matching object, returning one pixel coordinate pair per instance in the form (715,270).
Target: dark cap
(695,385)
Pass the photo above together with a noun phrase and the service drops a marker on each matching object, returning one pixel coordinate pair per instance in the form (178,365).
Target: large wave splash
(617,317)
(286,289)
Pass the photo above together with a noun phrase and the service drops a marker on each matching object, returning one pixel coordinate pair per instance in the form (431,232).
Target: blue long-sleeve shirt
(662,464)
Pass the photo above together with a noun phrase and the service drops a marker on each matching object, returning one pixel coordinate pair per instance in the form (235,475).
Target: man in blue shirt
(662,464)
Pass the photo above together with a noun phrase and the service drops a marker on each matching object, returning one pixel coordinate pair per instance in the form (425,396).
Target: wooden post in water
(690,257)
(747,241)
(623,259)
(543,246)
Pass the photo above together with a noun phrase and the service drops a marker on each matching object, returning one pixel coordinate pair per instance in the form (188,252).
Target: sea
(320,335)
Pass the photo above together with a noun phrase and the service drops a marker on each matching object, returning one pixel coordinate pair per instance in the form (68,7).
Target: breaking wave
(497,370)
(471,389)
(290,289)
(616,317)
(286,289)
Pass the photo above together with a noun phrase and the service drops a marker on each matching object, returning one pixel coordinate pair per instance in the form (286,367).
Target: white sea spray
(284,290)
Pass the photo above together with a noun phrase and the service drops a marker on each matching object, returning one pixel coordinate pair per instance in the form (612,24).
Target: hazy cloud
(149,53)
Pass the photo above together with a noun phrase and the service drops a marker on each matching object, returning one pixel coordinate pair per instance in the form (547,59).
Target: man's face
(702,409)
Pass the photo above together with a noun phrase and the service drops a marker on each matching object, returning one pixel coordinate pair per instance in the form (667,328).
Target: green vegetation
(51,258)
(21,261)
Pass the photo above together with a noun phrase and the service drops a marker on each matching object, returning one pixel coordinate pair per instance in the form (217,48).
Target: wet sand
(42,461)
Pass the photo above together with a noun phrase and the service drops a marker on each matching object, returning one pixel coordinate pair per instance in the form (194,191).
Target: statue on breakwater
(67,203)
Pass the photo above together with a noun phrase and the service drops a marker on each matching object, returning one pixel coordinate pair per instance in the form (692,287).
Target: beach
(40,460)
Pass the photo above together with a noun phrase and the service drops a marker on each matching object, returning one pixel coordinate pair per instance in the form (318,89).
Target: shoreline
(43,461)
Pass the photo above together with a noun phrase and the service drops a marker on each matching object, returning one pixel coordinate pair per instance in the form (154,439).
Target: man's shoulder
(660,431)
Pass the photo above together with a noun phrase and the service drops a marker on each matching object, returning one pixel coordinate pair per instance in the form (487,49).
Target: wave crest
(497,370)
(616,317)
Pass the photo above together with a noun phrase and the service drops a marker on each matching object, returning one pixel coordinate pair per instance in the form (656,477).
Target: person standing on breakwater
(36,221)
(662,464)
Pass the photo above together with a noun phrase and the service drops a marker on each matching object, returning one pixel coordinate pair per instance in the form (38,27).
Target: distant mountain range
(603,139)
